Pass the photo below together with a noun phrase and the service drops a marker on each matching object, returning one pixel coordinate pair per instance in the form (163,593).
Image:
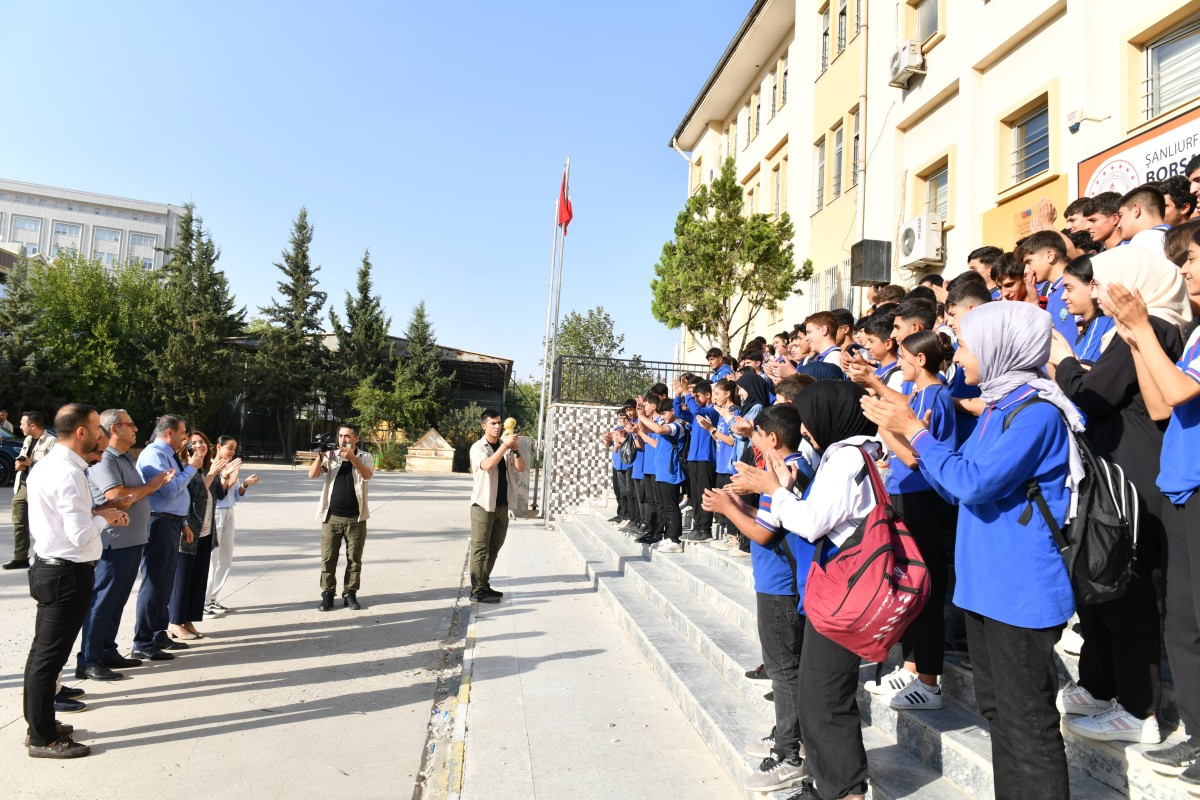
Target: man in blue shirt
(168,510)
(1045,252)
(716,362)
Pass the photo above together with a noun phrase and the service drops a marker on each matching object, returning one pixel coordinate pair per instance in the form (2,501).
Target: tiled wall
(580,468)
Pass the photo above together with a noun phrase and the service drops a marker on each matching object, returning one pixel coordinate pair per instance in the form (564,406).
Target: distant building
(44,219)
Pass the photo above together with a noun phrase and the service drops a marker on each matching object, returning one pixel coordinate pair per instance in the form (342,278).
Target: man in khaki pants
(493,465)
(343,514)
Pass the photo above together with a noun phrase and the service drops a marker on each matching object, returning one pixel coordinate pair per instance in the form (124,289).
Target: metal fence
(611,381)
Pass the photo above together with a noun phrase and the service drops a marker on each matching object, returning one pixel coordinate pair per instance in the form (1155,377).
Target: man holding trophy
(495,461)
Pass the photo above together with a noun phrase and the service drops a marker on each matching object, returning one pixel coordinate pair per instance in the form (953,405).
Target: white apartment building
(937,127)
(44,220)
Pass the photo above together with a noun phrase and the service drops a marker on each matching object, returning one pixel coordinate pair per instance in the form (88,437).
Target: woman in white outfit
(222,553)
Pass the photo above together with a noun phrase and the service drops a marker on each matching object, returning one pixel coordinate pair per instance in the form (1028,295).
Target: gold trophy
(510,427)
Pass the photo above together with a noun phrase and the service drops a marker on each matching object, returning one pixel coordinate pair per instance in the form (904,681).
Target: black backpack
(1099,545)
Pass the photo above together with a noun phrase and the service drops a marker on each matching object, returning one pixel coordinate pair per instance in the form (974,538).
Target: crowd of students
(971,396)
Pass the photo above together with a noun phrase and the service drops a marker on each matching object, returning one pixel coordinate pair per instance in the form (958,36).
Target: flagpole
(554,337)
(546,365)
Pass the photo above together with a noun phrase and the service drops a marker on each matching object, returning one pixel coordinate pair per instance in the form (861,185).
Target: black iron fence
(611,381)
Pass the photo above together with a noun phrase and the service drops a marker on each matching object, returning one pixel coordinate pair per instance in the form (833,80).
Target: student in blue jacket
(669,446)
(1011,580)
(692,406)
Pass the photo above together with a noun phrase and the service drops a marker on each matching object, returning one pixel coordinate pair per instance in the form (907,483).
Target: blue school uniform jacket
(726,454)
(773,572)
(668,456)
(1087,344)
(1005,570)
(701,446)
(936,401)
(1180,468)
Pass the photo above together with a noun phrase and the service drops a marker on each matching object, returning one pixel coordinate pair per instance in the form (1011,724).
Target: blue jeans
(158,577)
(115,573)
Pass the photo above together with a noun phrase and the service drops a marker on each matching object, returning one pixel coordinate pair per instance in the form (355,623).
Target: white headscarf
(1159,281)
(1012,343)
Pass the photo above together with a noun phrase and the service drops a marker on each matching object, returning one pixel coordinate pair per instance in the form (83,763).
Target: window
(107,259)
(774,94)
(756,110)
(1173,68)
(858,14)
(26,224)
(820,175)
(750,206)
(1031,144)
(837,161)
(777,183)
(825,38)
(749,135)
(67,229)
(842,20)
(42,202)
(854,153)
(148,263)
(142,240)
(927,19)
(58,203)
(937,192)
(783,87)
(106,235)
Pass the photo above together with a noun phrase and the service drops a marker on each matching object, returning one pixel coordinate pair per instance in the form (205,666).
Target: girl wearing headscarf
(1171,390)
(1119,684)
(1011,580)
(838,499)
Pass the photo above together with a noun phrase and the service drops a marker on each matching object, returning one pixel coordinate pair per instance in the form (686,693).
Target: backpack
(865,596)
(1098,546)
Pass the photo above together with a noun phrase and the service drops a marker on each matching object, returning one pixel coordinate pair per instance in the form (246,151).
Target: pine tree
(364,351)
(422,390)
(291,355)
(22,362)
(194,378)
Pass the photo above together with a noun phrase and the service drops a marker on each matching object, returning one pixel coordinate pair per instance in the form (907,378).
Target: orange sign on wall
(1153,155)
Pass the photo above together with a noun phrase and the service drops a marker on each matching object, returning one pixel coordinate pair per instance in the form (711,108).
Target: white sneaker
(761,748)
(1074,699)
(668,546)
(917,697)
(773,775)
(1070,642)
(1116,725)
(895,681)
(723,543)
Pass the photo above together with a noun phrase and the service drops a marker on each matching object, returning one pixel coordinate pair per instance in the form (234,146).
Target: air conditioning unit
(920,242)
(907,62)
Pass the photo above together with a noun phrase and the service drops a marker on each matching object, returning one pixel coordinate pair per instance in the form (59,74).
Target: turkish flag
(564,206)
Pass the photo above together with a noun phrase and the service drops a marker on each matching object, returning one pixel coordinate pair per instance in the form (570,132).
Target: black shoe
(174,646)
(1174,759)
(118,662)
(482,596)
(759,673)
(60,730)
(63,748)
(490,591)
(152,655)
(99,672)
(807,792)
(70,694)
(769,697)
(326,601)
(350,601)
(16,563)
(649,538)
(65,706)
(617,518)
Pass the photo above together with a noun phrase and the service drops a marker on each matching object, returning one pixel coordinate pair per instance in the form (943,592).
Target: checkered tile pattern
(580,468)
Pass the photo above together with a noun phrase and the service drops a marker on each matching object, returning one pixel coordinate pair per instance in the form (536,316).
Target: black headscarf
(754,392)
(831,411)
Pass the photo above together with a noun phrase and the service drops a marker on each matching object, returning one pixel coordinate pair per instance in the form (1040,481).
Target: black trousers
(1015,685)
(930,519)
(638,503)
(652,515)
(1182,623)
(623,489)
(701,475)
(830,723)
(668,502)
(781,636)
(721,482)
(63,594)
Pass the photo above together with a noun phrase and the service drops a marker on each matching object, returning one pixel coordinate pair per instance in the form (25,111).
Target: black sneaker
(807,792)
(69,693)
(63,705)
(1175,759)
(1191,775)
(648,538)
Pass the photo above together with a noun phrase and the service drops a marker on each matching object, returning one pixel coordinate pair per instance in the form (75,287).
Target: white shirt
(61,524)
(837,502)
(1153,239)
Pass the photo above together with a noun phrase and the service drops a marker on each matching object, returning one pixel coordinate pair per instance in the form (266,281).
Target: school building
(925,128)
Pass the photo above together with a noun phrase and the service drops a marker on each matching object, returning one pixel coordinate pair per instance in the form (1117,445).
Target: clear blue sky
(432,133)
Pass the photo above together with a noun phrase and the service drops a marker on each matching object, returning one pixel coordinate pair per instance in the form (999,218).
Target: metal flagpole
(546,455)
(540,444)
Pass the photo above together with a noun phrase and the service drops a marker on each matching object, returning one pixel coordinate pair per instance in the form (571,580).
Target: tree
(422,390)
(593,372)
(195,378)
(290,353)
(591,335)
(21,353)
(724,267)
(364,351)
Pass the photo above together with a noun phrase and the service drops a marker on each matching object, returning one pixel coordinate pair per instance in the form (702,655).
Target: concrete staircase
(692,617)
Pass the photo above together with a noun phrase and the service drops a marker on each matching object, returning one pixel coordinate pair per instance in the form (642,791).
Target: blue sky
(432,133)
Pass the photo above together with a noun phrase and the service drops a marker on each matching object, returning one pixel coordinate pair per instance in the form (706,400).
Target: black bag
(629,450)
(1100,543)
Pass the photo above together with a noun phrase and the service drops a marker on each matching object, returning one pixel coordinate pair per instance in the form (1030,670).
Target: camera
(325,442)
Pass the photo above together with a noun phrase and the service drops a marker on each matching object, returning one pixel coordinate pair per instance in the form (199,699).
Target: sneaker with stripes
(1074,699)
(893,682)
(1116,725)
(917,697)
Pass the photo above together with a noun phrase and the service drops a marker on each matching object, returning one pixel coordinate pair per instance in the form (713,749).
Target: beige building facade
(938,126)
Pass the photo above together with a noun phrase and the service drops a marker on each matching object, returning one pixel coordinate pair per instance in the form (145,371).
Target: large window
(927,19)
(937,192)
(838,136)
(854,150)
(825,38)
(777,184)
(820,175)
(142,240)
(26,224)
(1031,144)
(842,25)
(66,237)
(1173,68)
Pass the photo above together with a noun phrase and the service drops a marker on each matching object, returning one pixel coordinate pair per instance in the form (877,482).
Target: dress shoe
(175,646)
(70,693)
(119,662)
(61,731)
(62,748)
(350,601)
(16,563)
(63,705)
(483,597)
(491,592)
(326,602)
(99,672)
(152,655)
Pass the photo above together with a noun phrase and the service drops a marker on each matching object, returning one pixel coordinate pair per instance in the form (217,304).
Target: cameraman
(342,513)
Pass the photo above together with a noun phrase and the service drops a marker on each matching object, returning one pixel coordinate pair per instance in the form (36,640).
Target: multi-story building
(115,230)
(937,127)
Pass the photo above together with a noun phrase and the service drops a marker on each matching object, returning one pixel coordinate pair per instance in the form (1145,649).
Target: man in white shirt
(494,463)
(1141,219)
(65,530)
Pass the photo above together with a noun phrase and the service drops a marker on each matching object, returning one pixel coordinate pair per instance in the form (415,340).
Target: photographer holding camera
(342,513)
(38,441)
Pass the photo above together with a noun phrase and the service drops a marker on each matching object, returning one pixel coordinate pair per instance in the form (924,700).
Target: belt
(165,515)
(63,562)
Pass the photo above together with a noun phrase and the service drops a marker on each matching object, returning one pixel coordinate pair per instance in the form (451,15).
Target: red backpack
(874,586)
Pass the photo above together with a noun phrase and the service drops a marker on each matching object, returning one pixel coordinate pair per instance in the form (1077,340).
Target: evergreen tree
(22,360)
(422,390)
(291,354)
(364,351)
(195,377)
